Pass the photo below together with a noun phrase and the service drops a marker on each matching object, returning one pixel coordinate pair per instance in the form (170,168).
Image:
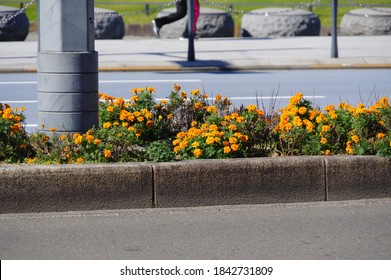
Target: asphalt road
(321,230)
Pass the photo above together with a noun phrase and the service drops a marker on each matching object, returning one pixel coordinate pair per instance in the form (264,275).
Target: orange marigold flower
(296,98)
(210,140)
(227,150)
(251,108)
(107,153)
(107,125)
(260,113)
(150,123)
(79,160)
(197,105)
(355,138)
(235,147)
(380,135)
(302,110)
(177,87)
(297,121)
(233,140)
(197,153)
(195,92)
(232,127)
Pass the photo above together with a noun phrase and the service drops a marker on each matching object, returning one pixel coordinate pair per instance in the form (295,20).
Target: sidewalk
(140,54)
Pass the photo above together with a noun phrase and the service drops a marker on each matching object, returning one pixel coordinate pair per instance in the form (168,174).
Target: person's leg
(181,10)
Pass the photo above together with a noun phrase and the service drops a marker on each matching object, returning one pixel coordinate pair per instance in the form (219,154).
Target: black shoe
(156,29)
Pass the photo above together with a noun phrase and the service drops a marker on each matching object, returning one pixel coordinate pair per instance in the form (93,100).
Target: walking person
(181,11)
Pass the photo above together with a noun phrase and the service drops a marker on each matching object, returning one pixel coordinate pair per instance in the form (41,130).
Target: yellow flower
(183,144)
(325,128)
(296,98)
(78,139)
(195,92)
(329,108)
(235,147)
(197,105)
(355,138)
(110,109)
(107,153)
(183,95)
(193,123)
(97,142)
(195,144)
(211,109)
(53,129)
(150,123)
(79,160)
(177,87)
(232,127)
(380,135)
(233,140)
(90,138)
(213,127)
(260,113)
(107,125)
(323,140)
(227,150)
(251,108)
(327,152)
(210,140)
(218,98)
(302,110)
(63,137)
(297,121)
(197,153)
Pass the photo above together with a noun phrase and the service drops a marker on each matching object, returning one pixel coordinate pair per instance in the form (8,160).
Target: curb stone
(57,188)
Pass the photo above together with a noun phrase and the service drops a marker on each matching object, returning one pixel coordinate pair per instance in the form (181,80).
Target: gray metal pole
(190,17)
(334,12)
(67,66)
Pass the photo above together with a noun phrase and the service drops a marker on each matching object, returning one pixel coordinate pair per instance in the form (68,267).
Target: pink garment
(196,14)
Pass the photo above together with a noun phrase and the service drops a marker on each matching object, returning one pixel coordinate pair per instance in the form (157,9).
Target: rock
(211,23)
(108,24)
(376,21)
(279,22)
(15,29)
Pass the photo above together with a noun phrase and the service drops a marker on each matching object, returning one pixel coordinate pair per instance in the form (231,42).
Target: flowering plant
(195,126)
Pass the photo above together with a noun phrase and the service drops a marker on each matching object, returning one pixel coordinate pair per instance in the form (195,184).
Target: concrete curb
(39,188)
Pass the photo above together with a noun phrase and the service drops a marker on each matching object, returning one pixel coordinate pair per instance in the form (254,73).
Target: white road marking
(19,101)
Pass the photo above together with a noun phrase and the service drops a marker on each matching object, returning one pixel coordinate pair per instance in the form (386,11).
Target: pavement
(150,54)
(38,188)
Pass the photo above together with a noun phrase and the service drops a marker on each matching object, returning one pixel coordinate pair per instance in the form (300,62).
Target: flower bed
(195,127)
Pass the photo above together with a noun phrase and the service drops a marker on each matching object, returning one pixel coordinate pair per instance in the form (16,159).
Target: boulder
(108,24)
(15,29)
(279,22)
(376,21)
(211,23)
